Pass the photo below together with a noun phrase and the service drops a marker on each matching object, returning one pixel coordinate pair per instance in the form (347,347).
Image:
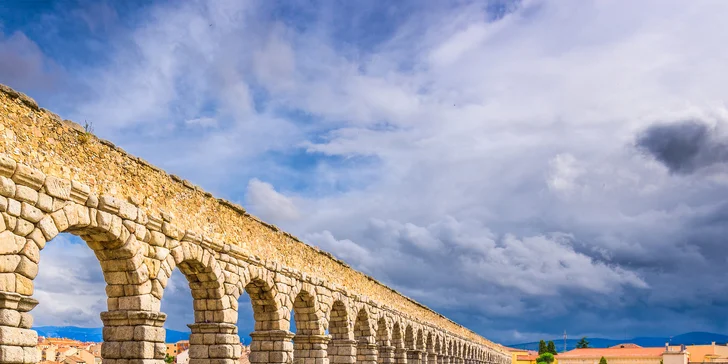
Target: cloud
(564,172)
(475,257)
(202,122)
(269,203)
(478,158)
(683,147)
(24,65)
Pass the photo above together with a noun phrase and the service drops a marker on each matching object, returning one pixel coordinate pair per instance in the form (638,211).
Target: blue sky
(524,167)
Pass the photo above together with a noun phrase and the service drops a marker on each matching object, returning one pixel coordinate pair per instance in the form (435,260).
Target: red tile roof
(625,345)
(527,357)
(612,352)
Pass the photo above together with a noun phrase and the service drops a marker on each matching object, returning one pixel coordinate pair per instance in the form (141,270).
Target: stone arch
(213,311)
(420,344)
(206,282)
(339,327)
(306,312)
(266,311)
(409,337)
(384,336)
(271,339)
(397,336)
(363,332)
(386,353)
(429,342)
(438,345)
(309,342)
(342,346)
(36,208)
(117,249)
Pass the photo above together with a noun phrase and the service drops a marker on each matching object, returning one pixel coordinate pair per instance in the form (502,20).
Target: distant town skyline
(522,167)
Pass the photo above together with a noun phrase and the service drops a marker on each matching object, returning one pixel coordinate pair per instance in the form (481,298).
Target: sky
(523,167)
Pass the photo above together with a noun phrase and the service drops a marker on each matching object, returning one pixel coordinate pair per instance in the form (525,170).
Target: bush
(545,358)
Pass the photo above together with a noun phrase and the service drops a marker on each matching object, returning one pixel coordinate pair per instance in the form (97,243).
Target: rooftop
(612,352)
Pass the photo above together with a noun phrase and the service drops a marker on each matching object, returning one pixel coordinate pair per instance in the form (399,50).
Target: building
(73,360)
(65,352)
(624,354)
(245,354)
(183,357)
(182,345)
(172,350)
(60,342)
(95,349)
(705,353)
(86,356)
(522,356)
(47,352)
(529,358)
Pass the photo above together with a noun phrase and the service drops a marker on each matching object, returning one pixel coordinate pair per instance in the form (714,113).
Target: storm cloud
(683,147)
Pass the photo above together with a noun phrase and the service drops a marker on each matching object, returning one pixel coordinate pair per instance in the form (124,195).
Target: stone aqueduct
(143,223)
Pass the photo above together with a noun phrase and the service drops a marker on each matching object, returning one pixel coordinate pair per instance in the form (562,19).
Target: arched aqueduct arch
(143,224)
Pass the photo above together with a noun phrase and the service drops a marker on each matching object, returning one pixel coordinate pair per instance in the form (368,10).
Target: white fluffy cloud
(268,203)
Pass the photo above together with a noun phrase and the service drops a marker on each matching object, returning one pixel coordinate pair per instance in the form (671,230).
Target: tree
(542,347)
(583,343)
(168,359)
(602,361)
(551,348)
(545,358)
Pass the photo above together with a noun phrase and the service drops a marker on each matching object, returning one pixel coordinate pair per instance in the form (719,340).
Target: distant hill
(95,333)
(690,338)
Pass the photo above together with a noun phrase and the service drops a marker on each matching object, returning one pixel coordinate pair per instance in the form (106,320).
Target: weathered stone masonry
(143,224)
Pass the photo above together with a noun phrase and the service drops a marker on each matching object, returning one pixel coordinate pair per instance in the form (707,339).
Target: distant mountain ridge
(95,334)
(690,338)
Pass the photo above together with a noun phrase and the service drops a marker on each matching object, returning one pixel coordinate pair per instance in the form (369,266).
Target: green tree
(542,347)
(602,361)
(583,343)
(545,358)
(551,348)
(168,359)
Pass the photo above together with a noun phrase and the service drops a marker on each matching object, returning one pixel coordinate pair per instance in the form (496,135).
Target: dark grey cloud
(684,146)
